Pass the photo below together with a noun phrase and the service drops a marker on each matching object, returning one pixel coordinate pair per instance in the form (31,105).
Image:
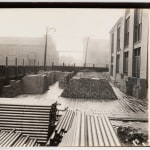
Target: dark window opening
(112,43)
(117,63)
(136,62)
(125,63)
(126,42)
(118,39)
(138,25)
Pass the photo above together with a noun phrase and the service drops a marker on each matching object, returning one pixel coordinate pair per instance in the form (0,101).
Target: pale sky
(72,25)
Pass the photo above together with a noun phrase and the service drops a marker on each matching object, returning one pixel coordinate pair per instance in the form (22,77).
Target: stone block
(8,91)
(34,84)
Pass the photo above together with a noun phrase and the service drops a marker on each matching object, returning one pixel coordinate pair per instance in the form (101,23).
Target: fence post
(63,66)
(34,67)
(16,65)
(52,65)
(6,68)
(23,66)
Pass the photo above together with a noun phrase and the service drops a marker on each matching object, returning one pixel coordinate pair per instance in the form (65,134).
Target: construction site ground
(124,111)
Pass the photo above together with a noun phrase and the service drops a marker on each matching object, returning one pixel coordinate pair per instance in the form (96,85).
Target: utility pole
(86,51)
(45,53)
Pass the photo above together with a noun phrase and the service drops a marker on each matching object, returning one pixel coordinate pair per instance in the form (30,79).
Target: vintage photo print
(74,77)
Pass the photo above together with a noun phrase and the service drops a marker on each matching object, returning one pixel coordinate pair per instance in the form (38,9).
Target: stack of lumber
(133,105)
(84,130)
(35,121)
(34,84)
(94,88)
(62,127)
(63,81)
(13,138)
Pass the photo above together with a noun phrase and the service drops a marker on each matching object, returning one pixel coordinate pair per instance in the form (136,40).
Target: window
(125,63)
(112,43)
(137,25)
(117,63)
(126,38)
(118,39)
(136,62)
(112,70)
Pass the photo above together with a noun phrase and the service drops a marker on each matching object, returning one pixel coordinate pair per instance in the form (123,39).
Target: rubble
(131,137)
(13,89)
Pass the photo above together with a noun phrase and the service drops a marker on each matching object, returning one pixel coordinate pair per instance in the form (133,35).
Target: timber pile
(133,105)
(13,138)
(35,121)
(94,88)
(81,129)
(64,80)
(34,84)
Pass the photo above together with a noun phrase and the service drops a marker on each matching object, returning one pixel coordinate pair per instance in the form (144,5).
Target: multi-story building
(129,52)
(27,50)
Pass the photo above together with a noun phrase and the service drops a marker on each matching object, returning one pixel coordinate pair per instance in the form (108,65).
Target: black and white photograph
(74,77)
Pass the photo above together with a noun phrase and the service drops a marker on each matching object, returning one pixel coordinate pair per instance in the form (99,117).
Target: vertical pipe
(98,130)
(109,136)
(90,139)
(103,132)
(94,133)
(82,129)
(117,142)
(78,138)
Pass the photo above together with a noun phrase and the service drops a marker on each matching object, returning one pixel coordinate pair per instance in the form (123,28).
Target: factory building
(128,63)
(28,51)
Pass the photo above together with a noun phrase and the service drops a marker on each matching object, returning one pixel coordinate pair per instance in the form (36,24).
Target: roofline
(118,21)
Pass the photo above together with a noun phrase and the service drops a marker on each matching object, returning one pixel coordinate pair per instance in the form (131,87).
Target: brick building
(30,49)
(128,64)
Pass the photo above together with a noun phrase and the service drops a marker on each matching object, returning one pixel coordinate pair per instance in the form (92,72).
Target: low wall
(31,84)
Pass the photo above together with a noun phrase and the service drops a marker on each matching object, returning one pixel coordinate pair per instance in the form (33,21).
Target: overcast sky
(72,25)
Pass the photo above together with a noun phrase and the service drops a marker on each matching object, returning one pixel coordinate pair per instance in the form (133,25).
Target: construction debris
(131,137)
(13,89)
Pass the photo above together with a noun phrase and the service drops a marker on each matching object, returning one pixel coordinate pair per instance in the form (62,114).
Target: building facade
(128,64)
(28,51)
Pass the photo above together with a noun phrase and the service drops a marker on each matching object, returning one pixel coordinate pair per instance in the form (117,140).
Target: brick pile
(13,89)
(89,88)
(63,81)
